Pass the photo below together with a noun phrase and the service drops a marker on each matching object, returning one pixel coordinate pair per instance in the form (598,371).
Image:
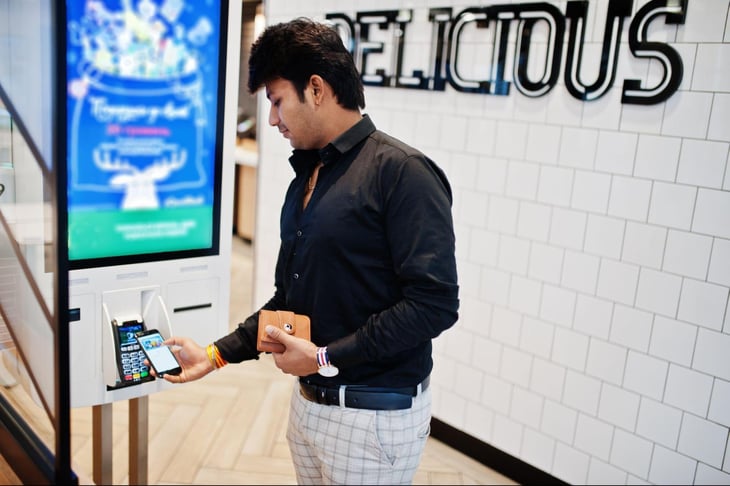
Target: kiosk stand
(138,440)
(150,195)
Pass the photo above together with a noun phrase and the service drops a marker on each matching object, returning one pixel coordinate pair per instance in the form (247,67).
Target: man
(367,252)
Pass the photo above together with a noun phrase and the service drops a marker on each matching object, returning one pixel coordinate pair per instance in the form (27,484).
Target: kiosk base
(138,440)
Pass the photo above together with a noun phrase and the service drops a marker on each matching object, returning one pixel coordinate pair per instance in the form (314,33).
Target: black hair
(298,49)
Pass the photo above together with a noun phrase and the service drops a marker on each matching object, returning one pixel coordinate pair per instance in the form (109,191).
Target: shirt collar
(304,160)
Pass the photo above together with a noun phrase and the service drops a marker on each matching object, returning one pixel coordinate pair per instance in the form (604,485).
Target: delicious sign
(496,22)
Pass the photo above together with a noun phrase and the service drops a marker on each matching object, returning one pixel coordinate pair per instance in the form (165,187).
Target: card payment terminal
(129,354)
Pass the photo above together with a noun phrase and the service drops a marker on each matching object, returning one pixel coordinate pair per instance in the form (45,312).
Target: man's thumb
(275,332)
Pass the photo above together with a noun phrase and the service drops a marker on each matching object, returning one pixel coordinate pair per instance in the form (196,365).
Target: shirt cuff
(240,345)
(345,352)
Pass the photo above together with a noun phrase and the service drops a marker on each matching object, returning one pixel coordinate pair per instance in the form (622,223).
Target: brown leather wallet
(295,324)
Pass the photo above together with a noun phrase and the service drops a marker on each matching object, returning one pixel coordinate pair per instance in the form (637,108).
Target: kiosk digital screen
(144,104)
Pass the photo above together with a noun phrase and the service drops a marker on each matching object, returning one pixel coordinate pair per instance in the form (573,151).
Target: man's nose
(273,117)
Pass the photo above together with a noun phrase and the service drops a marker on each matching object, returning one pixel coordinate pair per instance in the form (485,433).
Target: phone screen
(160,356)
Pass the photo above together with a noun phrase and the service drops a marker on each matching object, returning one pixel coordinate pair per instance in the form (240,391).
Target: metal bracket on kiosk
(164,325)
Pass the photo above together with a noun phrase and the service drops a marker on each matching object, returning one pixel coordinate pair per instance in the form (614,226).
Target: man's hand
(300,356)
(192,358)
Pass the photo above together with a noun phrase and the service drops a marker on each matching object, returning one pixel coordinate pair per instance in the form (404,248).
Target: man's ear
(317,84)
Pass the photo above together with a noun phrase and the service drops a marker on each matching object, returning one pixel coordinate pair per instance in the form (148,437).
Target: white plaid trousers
(332,444)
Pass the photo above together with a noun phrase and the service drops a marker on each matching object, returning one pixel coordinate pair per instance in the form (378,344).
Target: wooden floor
(228,428)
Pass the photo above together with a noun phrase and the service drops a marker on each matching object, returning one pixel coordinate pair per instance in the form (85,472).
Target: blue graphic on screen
(142,84)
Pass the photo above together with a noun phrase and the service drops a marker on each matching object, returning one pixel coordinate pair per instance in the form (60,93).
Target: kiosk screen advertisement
(144,83)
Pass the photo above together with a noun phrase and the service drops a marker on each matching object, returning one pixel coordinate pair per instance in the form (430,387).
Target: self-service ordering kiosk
(150,195)
(150,188)
(149,183)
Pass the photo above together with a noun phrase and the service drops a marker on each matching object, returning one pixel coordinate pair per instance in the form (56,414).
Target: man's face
(294,118)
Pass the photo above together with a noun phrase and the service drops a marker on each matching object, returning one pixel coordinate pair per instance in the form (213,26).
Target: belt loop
(342,395)
(419,389)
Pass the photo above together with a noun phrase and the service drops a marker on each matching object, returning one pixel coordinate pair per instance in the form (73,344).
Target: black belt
(363,396)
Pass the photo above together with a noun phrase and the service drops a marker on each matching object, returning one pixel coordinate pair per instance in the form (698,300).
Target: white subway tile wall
(570,464)
(593,436)
(645,375)
(538,449)
(593,247)
(659,422)
(720,403)
(600,472)
(720,121)
(631,453)
(709,475)
(670,467)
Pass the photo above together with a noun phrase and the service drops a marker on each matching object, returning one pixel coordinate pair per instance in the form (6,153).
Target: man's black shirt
(370,259)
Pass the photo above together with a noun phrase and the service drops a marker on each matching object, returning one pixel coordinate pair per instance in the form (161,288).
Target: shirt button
(299,232)
(296,276)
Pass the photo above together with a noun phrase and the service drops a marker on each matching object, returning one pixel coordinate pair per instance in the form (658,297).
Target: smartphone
(159,355)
